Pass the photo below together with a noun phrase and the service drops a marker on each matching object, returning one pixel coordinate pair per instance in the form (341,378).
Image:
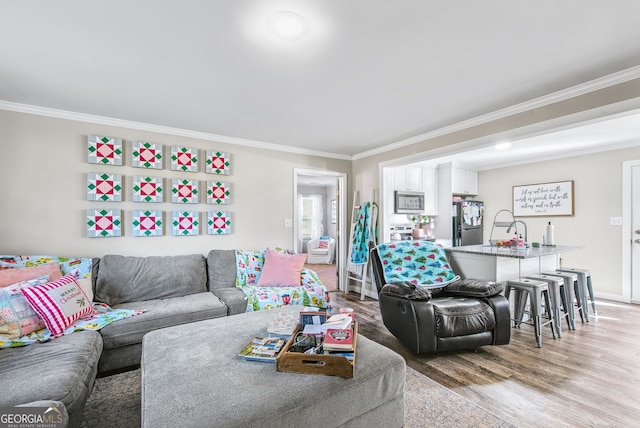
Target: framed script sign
(545,199)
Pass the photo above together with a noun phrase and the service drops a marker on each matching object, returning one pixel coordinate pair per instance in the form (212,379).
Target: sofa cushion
(461,316)
(234,298)
(59,303)
(161,313)
(221,269)
(318,251)
(123,279)
(63,370)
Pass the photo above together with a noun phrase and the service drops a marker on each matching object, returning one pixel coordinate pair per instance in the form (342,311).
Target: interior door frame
(629,294)
(341,226)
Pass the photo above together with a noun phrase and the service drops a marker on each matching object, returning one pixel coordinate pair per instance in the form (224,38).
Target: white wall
(43,197)
(597,197)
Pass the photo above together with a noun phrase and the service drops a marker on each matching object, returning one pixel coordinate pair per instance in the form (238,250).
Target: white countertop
(513,252)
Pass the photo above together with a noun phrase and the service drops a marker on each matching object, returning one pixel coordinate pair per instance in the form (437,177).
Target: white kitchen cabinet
(464,182)
(408,178)
(430,189)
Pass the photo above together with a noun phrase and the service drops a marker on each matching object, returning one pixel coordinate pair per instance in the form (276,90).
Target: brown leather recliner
(465,314)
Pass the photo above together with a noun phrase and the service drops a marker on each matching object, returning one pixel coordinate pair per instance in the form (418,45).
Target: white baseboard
(613,297)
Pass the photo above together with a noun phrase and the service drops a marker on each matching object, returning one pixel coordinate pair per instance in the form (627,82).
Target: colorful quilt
(103,316)
(311,291)
(364,232)
(421,263)
(80,267)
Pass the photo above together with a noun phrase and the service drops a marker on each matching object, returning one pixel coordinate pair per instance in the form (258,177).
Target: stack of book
(339,342)
(283,325)
(263,349)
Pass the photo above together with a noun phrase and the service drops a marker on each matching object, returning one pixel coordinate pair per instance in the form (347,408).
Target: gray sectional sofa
(173,290)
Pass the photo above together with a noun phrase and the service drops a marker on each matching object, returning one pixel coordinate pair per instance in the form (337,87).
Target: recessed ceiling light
(502,146)
(288,25)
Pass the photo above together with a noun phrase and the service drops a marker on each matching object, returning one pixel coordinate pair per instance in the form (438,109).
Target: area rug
(115,402)
(326,273)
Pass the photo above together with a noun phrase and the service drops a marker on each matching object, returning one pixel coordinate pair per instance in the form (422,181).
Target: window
(311,209)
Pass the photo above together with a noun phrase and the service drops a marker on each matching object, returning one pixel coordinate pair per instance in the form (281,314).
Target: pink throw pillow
(281,270)
(323,244)
(59,303)
(17,318)
(15,275)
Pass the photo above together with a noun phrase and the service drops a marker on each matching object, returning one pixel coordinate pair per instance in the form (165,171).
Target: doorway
(319,215)
(631,231)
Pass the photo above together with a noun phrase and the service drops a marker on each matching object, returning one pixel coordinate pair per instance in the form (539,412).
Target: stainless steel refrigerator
(467,222)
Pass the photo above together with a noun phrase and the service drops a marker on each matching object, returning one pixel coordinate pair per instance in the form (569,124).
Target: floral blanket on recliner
(421,263)
(249,264)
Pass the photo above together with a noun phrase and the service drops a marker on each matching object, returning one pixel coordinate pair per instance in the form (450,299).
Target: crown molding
(141,126)
(565,94)
(574,91)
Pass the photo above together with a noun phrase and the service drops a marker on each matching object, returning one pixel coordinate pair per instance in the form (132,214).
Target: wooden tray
(297,362)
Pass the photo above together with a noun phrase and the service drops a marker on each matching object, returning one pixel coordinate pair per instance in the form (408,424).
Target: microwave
(407,202)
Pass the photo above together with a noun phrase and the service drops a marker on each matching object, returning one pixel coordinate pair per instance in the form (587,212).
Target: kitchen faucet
(513,224)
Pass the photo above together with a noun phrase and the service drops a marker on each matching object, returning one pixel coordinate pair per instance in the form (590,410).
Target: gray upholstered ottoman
(192,377)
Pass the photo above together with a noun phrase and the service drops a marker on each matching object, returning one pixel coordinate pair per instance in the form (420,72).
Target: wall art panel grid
(184,159)
(104,223)
(218,223)
(217,163)
(104,187)
(104,150)
(147,189)
(146,223)
(146,155)
(218,192)
(184,191)
(185,223)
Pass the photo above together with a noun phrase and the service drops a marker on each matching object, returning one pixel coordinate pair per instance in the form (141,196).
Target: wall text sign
(545,199)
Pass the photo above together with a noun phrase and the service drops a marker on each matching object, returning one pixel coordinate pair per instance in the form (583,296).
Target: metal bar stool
(584,282)
(559,300)
(571,290)
(536,291)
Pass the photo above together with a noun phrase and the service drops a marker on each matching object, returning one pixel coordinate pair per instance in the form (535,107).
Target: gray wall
(43,197)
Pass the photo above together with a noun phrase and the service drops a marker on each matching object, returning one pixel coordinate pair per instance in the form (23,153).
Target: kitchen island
(499,264)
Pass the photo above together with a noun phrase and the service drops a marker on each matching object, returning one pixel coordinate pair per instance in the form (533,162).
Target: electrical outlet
(288,222)
(615,221)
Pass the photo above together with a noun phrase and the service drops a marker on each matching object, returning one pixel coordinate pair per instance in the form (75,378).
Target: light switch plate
(615,221)
(288,222)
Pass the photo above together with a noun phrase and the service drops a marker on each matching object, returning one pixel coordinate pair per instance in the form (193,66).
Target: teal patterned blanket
(103,316)
(421,263)
(249,264)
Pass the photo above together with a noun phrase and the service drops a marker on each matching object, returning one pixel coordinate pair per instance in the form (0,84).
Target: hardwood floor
(590,377)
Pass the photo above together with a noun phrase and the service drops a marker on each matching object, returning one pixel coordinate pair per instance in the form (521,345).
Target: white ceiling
(369,73)
(613,133)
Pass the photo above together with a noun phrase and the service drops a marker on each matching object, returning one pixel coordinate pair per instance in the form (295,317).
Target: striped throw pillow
(59,303)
